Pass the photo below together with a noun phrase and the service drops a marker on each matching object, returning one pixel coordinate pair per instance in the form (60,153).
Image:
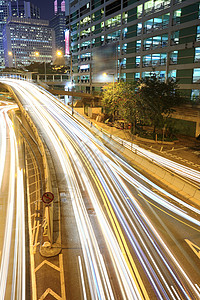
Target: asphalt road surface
(129,238)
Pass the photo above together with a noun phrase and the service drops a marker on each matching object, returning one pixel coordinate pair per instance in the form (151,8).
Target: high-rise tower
(14,8)
(3,17)
(58,23)
(23,9)
(59,5)
(149,36)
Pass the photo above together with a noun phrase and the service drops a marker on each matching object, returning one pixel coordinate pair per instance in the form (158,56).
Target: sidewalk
(185,151)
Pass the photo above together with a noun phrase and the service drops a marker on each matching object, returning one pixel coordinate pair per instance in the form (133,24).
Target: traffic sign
(47,197)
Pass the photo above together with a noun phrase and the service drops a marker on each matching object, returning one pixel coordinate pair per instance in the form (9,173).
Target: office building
(144,37)
(3,18)
(59,6)
(15,8)
(58,23)
(26,41)
(23,9)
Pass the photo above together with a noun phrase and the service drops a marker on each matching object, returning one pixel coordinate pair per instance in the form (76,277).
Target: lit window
(197,54)
(196,75)
(198,33)
(139,10)
(195,95)
(172,74)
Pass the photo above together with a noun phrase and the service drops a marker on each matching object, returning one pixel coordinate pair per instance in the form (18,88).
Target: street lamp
(59,53)
(11,54)
(106,75)
(37,54)
(71,79)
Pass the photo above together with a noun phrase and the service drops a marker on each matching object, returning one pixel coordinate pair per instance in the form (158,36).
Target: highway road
(12,232)
(137,241)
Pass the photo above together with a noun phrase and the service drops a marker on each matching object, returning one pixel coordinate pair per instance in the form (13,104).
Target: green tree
(128,104)
(119,99)
(156,100)
(110,99)
(50,69)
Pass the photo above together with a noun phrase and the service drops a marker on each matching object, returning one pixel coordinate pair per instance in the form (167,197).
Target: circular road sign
(47,197)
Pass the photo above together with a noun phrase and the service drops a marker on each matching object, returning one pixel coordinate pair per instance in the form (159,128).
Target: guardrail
(181,185)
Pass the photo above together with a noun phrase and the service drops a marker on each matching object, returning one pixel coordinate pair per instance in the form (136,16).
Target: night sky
(46,8)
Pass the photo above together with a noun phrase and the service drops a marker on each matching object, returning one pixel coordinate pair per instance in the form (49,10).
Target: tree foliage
(118,100)
(150,100)
(50,69)
(156,100)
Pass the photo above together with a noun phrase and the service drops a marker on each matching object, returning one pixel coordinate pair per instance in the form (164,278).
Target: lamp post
(37,54)
(59,53)
(71,83)
(71,79)
(10,53)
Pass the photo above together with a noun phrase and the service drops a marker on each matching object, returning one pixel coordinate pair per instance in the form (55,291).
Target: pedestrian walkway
(185,151)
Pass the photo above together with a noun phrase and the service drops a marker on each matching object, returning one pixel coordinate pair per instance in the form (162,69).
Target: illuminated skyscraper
(23,9)
(3,17)
(28,40)
(152,36)
(14,8)
(58,23)
(59,6)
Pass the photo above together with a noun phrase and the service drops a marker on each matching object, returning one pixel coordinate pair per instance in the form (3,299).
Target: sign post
(47,198)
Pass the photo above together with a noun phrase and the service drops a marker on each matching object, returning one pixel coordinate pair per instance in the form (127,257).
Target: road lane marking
(50,292)
(33,277)
(168,213)
(193,247)
(175,292)
(62,278)
(117,229)
(198,288)
(82,278)
(47,263)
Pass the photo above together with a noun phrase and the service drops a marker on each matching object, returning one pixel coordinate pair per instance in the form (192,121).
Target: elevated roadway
(123,236)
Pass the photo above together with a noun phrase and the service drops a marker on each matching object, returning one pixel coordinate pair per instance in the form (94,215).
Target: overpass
(52,80)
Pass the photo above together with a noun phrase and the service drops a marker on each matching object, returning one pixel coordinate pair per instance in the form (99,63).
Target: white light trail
(79,150)
(15,200)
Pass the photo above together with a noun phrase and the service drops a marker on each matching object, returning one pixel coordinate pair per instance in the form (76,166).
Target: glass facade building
(26,41)
(58,23)
(15,8)
(59,5)
(3,18)
(154,36)
(23,9)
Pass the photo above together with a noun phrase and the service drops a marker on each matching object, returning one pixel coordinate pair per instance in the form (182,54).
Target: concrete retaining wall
(165,176)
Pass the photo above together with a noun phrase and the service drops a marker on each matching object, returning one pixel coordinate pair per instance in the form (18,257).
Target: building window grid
(174,39)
